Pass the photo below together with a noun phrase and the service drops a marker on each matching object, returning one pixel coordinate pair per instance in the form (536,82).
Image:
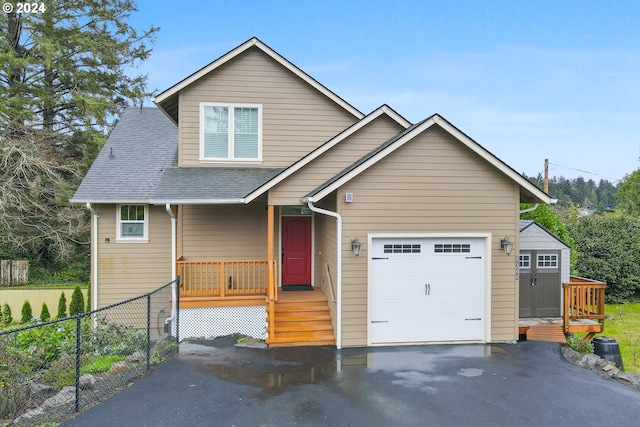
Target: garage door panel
(426,289)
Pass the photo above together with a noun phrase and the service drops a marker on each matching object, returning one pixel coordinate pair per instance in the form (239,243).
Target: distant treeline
(587,194)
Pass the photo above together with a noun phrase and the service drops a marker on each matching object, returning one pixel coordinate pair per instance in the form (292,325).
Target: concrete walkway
(216,384)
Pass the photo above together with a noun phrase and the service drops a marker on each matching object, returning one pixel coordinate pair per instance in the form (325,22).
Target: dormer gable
(252,108)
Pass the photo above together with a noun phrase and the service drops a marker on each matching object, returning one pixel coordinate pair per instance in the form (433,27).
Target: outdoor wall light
(356,246)
(507,245)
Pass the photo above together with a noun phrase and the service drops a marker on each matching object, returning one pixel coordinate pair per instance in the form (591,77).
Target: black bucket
(608,349)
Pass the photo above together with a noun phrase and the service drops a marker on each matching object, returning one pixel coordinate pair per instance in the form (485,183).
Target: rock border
(602,367)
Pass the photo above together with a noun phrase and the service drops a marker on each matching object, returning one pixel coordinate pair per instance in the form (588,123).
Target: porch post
(271,292)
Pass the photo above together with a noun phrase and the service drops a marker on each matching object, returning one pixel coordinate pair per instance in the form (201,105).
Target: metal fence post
(78,343)
(148,331)
(178,311)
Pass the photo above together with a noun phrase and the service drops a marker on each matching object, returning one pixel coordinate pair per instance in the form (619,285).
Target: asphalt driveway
(216,384)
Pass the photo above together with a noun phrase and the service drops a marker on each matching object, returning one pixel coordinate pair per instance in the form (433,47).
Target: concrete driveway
(215,384)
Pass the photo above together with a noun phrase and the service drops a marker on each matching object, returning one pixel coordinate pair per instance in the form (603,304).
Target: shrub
(44,313)
(62,306)
(6,315)
(27,313)
(580,345)
(77,302)
(14,395)
(89,298)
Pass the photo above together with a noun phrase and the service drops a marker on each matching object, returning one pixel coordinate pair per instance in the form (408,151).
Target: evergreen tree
(76,306)
(6,315)
(62,306)
(27,313)
(44,313)
(64,79)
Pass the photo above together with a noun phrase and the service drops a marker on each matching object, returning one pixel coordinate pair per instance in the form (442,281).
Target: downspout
(174,294)
(94,254)
(338,266)
(529,209)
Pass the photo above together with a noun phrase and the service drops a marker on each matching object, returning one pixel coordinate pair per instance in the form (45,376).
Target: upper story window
(230,132)
(133,223)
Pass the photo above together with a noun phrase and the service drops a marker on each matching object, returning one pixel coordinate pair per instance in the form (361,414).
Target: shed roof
(527,223)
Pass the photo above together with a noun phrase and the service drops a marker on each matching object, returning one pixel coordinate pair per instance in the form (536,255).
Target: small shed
(544,263)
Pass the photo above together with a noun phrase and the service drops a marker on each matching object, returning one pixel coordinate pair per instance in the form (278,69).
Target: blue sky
(527,80)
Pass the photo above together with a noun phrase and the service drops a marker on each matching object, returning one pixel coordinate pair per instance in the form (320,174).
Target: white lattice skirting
(215,322)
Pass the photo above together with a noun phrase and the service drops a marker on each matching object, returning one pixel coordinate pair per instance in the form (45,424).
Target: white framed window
(524,261)
(133,223)
(230,132)
(547,261)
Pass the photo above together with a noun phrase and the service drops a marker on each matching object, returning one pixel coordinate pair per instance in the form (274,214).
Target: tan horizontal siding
(127,270)
(433,184)
(224,232)
(296,117)
(334,160)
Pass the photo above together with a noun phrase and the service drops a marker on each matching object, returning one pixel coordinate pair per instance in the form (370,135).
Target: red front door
(296,250)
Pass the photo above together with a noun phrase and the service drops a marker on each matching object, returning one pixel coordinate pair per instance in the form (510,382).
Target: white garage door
(426,290)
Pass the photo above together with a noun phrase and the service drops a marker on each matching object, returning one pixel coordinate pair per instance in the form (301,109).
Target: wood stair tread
(551,333)
(301,323)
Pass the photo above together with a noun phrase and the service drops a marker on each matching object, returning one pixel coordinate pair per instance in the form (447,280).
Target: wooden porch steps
(301,319)
(551,333)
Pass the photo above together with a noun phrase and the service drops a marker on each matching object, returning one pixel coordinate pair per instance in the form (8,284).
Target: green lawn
(623,324)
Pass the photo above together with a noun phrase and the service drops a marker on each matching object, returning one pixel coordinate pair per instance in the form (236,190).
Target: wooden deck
(583,312)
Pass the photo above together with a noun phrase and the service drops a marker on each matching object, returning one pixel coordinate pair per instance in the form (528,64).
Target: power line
(587,172)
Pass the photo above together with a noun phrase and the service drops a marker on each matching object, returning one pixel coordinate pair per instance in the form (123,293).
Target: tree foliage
(27,312)
(588,194)
(44,313)
(76,306)
(62,306)
(628,194)
(63,81)
(546,217)
(609,250)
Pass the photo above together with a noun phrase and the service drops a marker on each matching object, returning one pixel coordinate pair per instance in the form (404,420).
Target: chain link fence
(49,371)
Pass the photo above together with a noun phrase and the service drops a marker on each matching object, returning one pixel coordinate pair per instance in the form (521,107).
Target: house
(544,263)
(251,180)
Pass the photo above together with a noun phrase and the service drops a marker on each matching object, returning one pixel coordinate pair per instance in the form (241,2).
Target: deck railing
(225,278)
(583,300)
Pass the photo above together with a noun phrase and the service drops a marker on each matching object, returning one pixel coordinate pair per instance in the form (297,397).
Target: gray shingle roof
(205,184)
(139,164)
(141,146)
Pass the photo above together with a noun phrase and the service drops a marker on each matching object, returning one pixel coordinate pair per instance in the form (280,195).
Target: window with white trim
(547,261)
(230,132)
(133,222)
(524,261)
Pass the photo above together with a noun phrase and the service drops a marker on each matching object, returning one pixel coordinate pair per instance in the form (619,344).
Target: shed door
(424,289)
(540,283)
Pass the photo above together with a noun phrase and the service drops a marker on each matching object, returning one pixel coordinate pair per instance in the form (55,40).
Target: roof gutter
(338,218)
(94,255)
(174,299)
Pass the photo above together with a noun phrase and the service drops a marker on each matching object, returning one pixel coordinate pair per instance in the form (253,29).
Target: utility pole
(546,176)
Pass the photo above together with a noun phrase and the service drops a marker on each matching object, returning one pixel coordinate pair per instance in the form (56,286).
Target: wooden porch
(583,311)
(294,318)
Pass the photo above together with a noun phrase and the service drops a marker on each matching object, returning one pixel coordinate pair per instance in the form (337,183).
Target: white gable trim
(435,119)
(273,54)
(385,109)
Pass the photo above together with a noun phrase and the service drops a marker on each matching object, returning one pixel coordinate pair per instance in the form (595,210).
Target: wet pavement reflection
(278,368)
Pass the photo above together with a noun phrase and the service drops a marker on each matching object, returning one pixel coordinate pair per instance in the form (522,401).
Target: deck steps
(551,333)
(301,319)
